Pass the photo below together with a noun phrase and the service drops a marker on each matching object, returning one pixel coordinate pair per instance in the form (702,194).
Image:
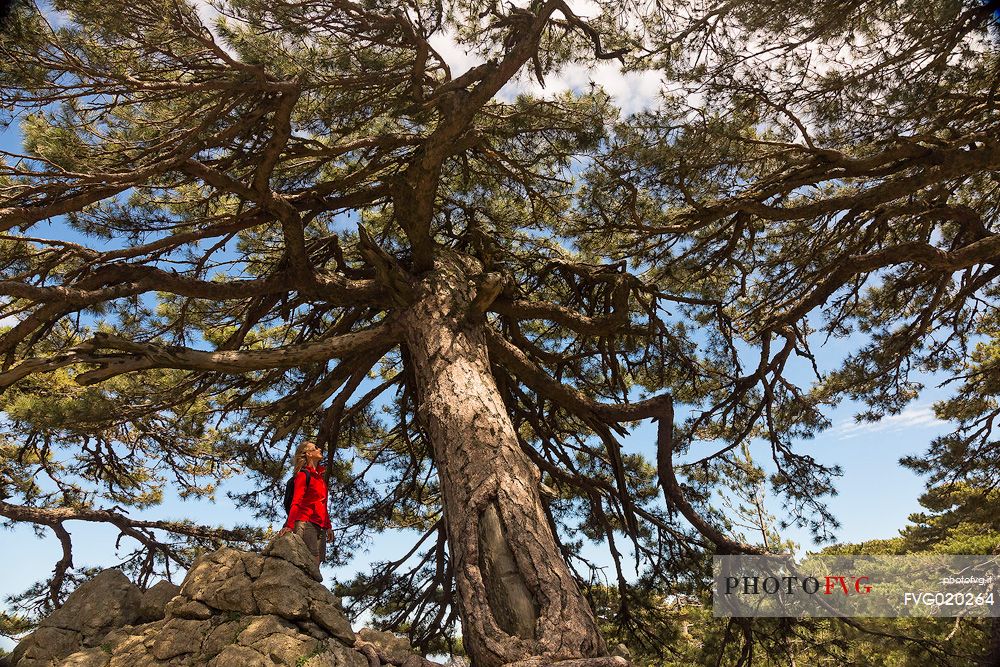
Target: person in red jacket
(308,516)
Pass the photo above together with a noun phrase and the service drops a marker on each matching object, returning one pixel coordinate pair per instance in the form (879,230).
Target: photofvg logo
(829,586)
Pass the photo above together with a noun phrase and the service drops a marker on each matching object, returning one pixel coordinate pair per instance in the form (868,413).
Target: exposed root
(368,650)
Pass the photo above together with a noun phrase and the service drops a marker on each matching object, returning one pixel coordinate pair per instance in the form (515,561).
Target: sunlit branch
(132,356)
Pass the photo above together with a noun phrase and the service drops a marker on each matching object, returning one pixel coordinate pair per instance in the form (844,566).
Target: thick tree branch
(565,396)
(521,309)
(143,356)
(486,293)
(126,280)
(52,516)
(675,495)
(917,167)
(415,192)
(91,188)
(64,564)
(276,145)
(985,250)
(396,280)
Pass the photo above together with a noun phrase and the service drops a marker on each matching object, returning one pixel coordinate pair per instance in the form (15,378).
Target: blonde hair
(299,461)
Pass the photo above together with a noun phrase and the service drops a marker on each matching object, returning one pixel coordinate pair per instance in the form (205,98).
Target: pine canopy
(233,225)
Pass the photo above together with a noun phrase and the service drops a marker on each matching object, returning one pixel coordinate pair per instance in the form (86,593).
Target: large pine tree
(220,240)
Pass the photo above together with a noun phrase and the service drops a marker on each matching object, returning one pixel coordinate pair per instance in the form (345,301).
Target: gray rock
(278,639)
(152,605)
(308,627)
(222,635)
(91,657)
(122,644)
(333,621)
(99,605)
(336,656)
(283,589)
(264,626)
(44,646)
(119,636)
(253,563)
(179,636)
(291,548)
(183,607)
(222,580)
(393,647)
(107,601)
(240,656)
(234,609)
(138,655)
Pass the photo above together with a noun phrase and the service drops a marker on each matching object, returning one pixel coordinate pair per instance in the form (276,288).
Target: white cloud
(918,416)
(209,16)
(458,58)
(631,91)
(585,9)
(207,13)
(9,321)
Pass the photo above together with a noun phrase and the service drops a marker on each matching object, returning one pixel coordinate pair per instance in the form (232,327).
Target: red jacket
(309,504)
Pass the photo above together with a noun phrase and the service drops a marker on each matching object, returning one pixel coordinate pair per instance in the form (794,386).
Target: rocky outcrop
(153,605)
(234,609)
(107,601)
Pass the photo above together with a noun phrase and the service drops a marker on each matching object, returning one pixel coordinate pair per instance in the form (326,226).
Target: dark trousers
(314,537)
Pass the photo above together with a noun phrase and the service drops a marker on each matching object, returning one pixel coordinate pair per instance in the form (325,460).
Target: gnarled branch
(143,356)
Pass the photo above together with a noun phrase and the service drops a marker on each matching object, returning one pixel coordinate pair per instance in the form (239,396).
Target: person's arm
(298,491)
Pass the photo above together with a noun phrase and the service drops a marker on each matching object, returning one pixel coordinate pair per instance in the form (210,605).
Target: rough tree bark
(517,597)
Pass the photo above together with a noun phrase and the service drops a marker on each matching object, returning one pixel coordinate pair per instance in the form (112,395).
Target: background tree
(266,216)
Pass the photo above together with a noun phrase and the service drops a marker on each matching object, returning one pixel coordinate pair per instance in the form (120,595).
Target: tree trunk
(517,598)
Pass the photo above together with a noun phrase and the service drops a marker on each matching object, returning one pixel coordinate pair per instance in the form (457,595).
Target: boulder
(99,605)
(182,607)
(233,609)
(221,580)
(179,637)
(91,657)
(152,606)
(291,548)
(285,589)
(329,618)
(393,647)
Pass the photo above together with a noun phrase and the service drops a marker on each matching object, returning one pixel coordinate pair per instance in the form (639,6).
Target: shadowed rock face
(234,609)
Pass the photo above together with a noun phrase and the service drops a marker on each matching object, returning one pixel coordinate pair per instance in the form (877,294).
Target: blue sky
(876,494)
